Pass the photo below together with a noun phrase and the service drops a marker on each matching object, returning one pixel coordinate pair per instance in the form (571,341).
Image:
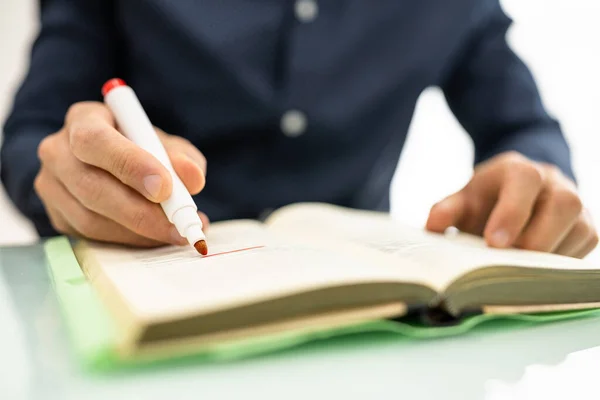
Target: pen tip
(201,247)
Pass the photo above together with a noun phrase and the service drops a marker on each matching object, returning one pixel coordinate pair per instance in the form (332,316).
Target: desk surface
(36,362)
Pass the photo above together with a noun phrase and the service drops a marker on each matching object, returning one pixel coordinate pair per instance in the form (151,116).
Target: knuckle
(74,109)
(524,168)
(38,183)
(86,223)
(184,141)
(553,170)
(150,222)
(185,145)
(566,200)
(41,185)
(513,157)
(87,188)
(532,173)
(50,147)
(176,141)
(164,136)
(125,163)
(83,138)
(45,148)
(83,107)
(59,225)
(140,219)
(440,210)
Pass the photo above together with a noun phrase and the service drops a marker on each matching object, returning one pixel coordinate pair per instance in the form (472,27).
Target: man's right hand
(96,183)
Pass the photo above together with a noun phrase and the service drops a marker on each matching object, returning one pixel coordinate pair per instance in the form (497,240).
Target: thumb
(448,212)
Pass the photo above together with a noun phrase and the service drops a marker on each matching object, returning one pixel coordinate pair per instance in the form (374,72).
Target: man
(288,101)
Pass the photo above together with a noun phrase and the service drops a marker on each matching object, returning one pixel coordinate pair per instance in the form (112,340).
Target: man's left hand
(513,201)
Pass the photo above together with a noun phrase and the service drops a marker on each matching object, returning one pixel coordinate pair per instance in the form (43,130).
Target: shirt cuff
(539,144)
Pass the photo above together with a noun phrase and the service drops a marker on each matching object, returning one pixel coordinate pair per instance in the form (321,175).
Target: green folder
(93,334)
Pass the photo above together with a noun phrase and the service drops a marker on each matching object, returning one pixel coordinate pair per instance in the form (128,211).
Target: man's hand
(513,201)
(97,184)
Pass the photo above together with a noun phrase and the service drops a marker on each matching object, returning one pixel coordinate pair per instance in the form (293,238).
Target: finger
(83,222)
(588,248)
(182,145)
(578,238)
(103,194)
(42,185)
(188,171)
(479,196)
(86,109)
(517,195)
(205,221)
(59,223)
(555,214)
(448,212)
(94,140)
(188,162)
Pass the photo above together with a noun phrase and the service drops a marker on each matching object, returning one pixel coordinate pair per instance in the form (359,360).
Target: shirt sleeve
(495,98)
(71,57)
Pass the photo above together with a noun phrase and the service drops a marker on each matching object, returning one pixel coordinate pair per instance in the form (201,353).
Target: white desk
(35,362)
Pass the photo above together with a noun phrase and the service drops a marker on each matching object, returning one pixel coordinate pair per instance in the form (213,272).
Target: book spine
(439,316)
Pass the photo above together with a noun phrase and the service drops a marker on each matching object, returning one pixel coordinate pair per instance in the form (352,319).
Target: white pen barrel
(135,125)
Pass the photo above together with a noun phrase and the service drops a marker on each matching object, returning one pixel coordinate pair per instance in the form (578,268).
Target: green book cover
(93,334)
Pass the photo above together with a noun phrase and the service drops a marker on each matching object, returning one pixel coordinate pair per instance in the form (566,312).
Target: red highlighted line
(233,251)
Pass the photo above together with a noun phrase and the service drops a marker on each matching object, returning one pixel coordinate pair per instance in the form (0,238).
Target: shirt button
(306,10)
(293,123)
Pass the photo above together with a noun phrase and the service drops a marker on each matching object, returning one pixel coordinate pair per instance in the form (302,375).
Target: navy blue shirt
(288,101)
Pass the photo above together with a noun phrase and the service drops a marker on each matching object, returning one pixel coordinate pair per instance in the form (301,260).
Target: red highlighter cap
(111,84)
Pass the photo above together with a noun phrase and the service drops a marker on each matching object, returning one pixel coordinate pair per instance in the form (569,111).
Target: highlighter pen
(180,208)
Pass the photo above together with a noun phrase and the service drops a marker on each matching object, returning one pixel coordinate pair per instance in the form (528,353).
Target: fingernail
(177,238)
(500,238)
(153,185)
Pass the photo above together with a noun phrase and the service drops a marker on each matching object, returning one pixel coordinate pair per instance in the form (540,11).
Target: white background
(558,39)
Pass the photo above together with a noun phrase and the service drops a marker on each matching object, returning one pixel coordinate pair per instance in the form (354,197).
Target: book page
(246,263)
(441,258)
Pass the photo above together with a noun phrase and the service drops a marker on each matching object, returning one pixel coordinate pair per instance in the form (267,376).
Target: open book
(316,266)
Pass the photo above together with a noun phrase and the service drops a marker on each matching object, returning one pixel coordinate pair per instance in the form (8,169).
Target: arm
(89,181)
(528,202)
(72,56)
(495,98)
